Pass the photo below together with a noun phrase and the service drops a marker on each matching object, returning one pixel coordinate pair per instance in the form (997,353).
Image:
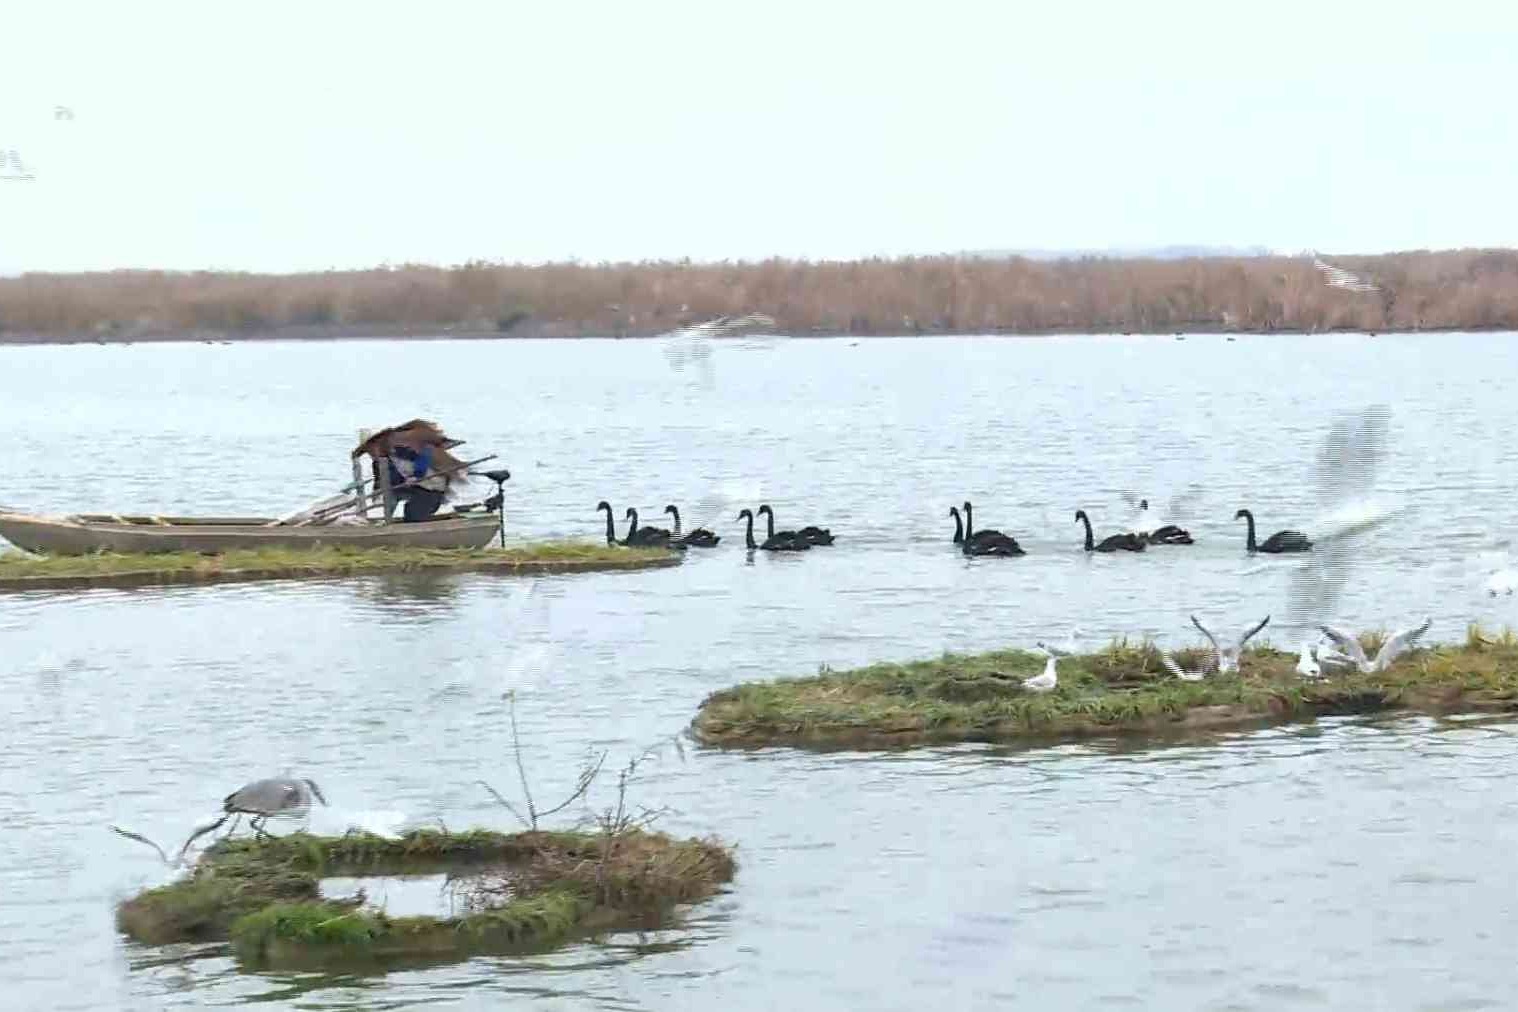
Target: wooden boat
(87,533)
(338,521)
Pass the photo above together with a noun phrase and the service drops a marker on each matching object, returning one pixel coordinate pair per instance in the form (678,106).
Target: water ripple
(1260,870)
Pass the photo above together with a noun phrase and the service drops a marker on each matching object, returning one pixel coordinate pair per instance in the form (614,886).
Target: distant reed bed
(1461,289)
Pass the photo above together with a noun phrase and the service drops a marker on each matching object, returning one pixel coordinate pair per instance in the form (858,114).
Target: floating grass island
(1123,689)
(19,571)
(521,892)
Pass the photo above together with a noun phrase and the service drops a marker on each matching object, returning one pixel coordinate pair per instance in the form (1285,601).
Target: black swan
(644,537)
(988,542)
(812,535)
(611,530)
(698,538)
(1280,541)
(772,543)
(1168,534)
(1129,542)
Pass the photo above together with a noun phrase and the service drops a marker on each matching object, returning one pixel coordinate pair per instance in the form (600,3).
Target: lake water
(1347,864)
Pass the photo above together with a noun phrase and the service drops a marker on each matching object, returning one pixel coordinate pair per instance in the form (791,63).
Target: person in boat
(421,470)
(417,487)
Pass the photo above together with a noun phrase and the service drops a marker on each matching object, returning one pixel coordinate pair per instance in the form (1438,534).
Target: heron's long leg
(257,823)
(235,820)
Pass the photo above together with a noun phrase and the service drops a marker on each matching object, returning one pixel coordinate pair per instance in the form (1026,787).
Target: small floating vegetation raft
(22,571)
(515,892)
(1124,688)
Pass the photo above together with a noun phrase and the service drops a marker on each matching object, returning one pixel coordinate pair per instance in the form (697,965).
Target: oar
(322,512)
(325,507)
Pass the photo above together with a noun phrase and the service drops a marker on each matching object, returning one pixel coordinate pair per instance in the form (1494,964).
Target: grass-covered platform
(521,892)
(1121,689)
(19,571)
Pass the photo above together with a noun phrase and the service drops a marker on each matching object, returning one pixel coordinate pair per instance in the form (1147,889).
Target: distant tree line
(1474,289)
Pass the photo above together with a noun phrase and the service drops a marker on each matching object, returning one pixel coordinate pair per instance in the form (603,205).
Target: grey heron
(274,797)
(278,797)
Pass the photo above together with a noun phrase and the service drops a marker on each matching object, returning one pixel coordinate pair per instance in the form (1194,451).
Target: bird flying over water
(12,168)
(1340,278)
(1345,470)
(693,344)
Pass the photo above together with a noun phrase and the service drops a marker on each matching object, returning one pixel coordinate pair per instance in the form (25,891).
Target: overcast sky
(309,135)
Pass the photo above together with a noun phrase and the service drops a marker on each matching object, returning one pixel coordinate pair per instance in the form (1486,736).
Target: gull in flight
(1180,512)
(1399,643)
(1340,278)
(1069,648)
(1316,658)
(12,168)
(1501,575)
(693,344)
(1344,474)
(1182,673)
(1226,658)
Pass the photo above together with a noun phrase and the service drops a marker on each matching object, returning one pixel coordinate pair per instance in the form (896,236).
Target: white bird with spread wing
(1226,658)
(1344,476)
(693,343)
(1069,648)
(1175,669)
(1396,645)
(13,168)
(1180,514)
(1315,659)
(1338,277)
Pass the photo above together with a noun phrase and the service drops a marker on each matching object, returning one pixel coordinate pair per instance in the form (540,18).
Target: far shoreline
(340,333)
(952,295)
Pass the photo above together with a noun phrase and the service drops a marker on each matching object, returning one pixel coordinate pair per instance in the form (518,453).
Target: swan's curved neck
(632,523)
(1090,541)
(1249,538)
(959,530)
(748,534)
(676,514)
(769,523)
(611,530)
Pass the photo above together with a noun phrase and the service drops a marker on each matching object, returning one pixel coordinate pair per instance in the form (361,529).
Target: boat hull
(87,535)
